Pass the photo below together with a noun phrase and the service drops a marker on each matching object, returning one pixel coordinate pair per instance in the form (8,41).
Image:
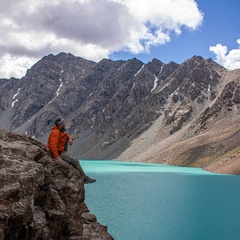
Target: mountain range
(180,114)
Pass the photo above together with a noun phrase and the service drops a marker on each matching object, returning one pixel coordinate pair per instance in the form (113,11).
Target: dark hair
(58,120)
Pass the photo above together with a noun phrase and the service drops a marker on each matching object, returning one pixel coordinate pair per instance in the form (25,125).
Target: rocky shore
(40,199)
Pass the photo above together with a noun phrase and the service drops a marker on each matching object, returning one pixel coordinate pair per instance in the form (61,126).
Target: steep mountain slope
(210,138)
(128,110)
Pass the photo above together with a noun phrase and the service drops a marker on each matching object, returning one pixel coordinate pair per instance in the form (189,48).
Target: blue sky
(169,30)
(221,25)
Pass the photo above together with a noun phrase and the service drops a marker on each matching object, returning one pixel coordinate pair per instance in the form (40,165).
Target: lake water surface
(140,201)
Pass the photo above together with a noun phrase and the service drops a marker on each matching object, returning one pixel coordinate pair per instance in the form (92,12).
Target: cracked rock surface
(40,199)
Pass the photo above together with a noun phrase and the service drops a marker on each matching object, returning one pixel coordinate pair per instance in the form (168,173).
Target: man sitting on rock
(57,142)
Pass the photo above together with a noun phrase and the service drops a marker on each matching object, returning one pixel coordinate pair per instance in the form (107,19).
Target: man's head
(59,122)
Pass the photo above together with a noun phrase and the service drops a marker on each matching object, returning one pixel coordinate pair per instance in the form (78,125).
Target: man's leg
(75,163)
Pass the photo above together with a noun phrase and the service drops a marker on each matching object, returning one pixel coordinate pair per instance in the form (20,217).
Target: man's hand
(70,141)
(59,159)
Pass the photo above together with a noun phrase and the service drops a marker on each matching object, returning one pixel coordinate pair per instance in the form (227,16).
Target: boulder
(40,199)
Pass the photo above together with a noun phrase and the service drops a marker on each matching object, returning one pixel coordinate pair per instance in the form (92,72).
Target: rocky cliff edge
(40,199)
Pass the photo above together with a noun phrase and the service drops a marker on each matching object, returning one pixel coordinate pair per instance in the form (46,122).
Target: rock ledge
(40,199)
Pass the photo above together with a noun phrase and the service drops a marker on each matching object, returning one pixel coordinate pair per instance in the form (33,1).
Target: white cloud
(92,29)
(228,59)
(12,66)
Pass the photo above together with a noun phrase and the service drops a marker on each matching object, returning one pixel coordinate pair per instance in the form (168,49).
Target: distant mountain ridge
(129,110)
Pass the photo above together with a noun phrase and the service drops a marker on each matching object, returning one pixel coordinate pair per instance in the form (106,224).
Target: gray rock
(40,199)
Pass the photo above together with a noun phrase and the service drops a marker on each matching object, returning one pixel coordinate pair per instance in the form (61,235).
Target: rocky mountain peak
(110,104)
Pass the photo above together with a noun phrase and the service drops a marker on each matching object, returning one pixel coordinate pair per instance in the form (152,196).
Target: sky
(169,30)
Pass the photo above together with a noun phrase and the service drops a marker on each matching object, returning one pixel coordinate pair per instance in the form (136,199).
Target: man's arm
(59,159)
(70,139)
(53,145)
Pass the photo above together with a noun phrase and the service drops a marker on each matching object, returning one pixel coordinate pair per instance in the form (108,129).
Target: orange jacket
(56,141)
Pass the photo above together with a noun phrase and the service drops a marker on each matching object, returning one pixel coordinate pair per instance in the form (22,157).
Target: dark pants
(73,161)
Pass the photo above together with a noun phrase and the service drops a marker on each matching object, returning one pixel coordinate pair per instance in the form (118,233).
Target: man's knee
(75,162)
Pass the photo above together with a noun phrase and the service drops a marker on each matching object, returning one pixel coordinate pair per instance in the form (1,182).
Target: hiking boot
(87,180)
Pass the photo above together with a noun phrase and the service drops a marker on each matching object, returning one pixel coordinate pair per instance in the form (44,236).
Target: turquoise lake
(140,201)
